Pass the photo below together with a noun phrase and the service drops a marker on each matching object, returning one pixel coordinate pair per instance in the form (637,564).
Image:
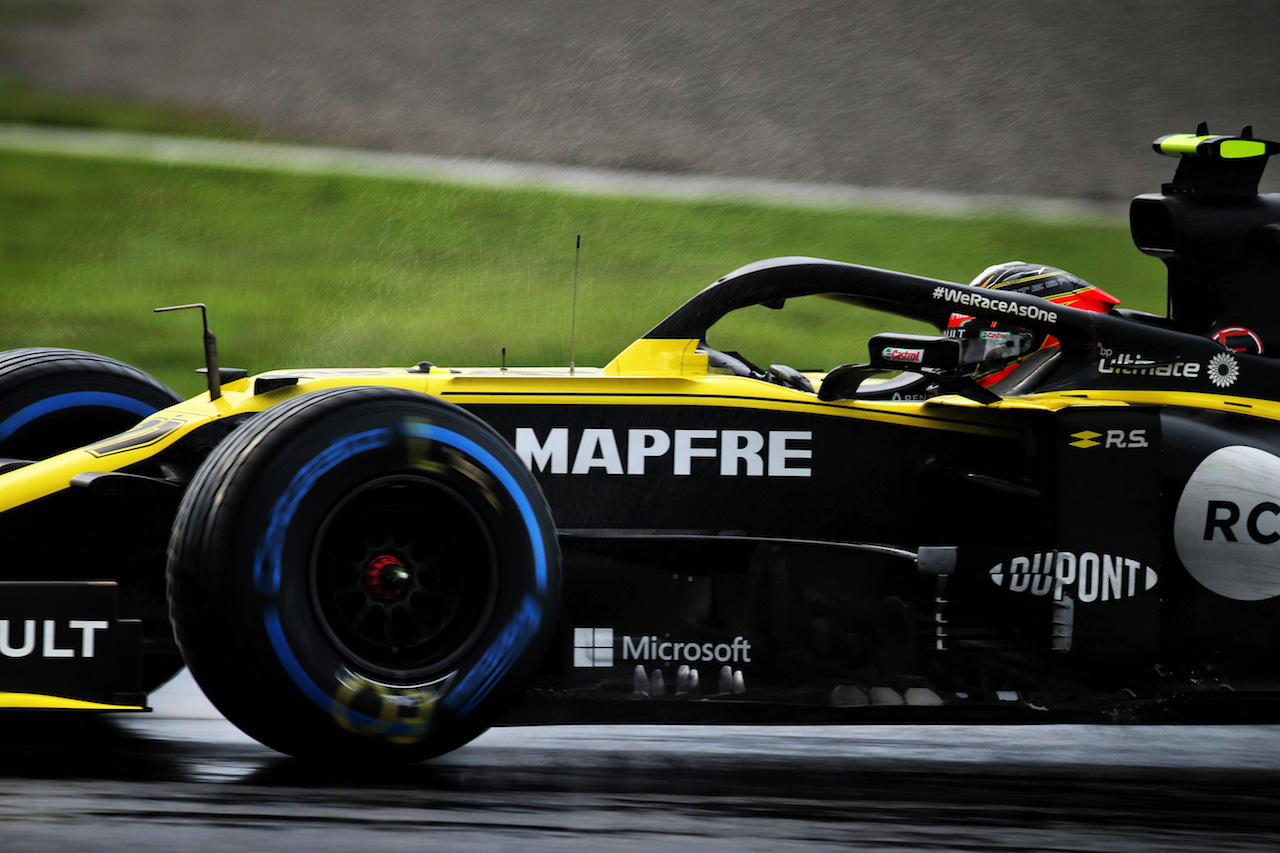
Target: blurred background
(992,103)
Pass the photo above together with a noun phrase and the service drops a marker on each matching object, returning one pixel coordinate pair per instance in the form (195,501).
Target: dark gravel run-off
(1048,99)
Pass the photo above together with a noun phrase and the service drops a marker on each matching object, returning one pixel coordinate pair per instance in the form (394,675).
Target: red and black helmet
(992,349)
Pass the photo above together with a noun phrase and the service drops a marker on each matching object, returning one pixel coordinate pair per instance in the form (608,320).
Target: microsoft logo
(593,647)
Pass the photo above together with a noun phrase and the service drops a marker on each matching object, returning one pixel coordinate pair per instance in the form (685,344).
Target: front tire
(54,400)
(363,574)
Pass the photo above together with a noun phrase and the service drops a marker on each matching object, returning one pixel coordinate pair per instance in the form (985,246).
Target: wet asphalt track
(183,778)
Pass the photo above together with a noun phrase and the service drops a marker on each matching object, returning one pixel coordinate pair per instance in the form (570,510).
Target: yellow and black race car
(378,564)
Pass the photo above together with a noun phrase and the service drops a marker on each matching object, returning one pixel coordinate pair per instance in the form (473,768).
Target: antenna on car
(573,317)
(215,375)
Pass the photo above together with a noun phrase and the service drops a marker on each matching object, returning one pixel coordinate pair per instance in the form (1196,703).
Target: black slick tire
(53,400)
(363,575)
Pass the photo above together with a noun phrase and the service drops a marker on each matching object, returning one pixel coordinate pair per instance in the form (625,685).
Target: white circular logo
(1227,526)
(1224,370)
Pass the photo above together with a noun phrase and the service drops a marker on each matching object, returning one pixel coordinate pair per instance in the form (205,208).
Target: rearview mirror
(896,351)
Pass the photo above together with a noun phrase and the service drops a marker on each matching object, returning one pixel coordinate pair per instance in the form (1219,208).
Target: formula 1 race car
(376,565)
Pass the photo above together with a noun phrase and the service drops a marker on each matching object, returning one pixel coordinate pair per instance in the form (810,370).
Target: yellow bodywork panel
(167,426)
(36,701)
(659,357)
(650,372)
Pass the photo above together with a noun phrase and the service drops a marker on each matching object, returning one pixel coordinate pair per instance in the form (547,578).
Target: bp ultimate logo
(594,647)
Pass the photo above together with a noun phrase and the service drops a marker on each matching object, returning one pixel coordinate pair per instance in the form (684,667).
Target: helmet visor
(988,347)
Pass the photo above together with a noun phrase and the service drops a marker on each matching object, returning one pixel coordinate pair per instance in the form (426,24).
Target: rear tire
(363,574)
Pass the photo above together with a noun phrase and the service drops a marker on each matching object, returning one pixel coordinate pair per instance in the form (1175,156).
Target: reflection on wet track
(184,778)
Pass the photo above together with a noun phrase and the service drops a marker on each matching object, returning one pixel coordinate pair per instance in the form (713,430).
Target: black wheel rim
(404,578)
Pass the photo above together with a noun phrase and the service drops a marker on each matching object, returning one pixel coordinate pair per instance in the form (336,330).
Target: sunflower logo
(1223,370)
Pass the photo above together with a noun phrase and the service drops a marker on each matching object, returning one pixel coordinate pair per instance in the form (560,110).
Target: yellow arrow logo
(1086,439)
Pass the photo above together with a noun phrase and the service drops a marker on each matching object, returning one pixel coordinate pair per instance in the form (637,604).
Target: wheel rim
(404,578)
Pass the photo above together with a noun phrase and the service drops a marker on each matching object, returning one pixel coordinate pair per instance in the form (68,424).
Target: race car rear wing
(1219,237)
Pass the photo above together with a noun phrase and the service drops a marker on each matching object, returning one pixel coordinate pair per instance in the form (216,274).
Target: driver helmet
(991,349)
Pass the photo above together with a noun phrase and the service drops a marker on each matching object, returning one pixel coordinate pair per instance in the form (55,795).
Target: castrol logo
(897,354)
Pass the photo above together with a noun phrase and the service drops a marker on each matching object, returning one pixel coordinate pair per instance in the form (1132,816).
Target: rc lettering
(1260,523)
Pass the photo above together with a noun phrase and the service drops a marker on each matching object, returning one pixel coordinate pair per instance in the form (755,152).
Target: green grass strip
(333,270)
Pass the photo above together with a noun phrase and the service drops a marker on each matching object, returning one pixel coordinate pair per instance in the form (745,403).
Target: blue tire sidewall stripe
(502,652)
(72,400)
(484,457)
(267,566)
